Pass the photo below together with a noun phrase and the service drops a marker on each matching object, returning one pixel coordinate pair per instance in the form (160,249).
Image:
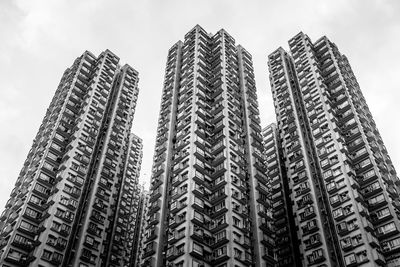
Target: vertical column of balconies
(257,181)
(157,215)
(75,163)
(97,222)
(220,224)
(120,209)
(214,177)
(355,90)
(18,196)
(122,241)
(144,198)
(301,176)
(198,251)
(385,209)
(365,151)
(209,180)
(65,159)
(332,166)
(133,196)
(62,118)
(285,236)
(191,154)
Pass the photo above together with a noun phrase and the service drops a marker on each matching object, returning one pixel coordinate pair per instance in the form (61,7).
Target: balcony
(149,249)
(313,242)
(12,217)
(372,189)
(309,228)
(307,214)
(377,202)
(18,258)
(156,193)
(386,231)
(3,243)
(315,257)
(24,244)
(6,230)
(154,219)
(173,253)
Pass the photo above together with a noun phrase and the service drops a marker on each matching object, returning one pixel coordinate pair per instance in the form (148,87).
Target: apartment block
(73,199)
(141,225)
(285,236)
(341,182)
(208,173)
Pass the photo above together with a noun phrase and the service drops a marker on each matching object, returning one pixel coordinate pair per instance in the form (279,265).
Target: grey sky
(39,39)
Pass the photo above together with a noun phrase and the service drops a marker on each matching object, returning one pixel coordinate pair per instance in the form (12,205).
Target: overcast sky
(40,39)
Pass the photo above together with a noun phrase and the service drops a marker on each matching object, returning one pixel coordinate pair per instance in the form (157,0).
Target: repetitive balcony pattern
(285,241)
(200,211)
(72,182)
(352,175)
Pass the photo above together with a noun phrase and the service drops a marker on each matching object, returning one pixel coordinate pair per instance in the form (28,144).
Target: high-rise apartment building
(72,202)
(123,245)
(341,182)
(140,227)
(208,163)
(285,236)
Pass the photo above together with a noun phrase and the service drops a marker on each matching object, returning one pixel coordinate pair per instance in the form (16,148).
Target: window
(56,226)
(387,228)
(180,249)
(199,202)
(197,248)
(52,156)
(375,200)
(89,240)
(334,199)
(324,162)
(219,221)
(40,188)
(350,259)
(51,240)
(237,222)
(327,174)
(32,213)
(392,244)
(315,255)
(220,252)
(330,148)
(86,253)
(382,213)
(46,177)
(35,200)
(362,256)
(56,147)
(237,253)
(46,255)
(337,213)
(219,206)
(65,228)
(236,236)
(220,235)
(337,171)
(198,216)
